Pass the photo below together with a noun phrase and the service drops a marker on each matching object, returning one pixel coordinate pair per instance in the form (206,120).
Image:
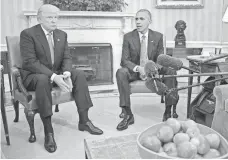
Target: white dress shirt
(146,39)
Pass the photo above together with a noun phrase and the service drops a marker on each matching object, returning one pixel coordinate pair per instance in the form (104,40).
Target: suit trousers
(41,84)
(124,77)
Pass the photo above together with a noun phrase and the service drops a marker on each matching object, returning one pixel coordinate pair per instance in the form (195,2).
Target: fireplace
(95,59)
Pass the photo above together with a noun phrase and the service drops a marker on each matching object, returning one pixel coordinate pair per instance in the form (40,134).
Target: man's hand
(60,82)
(141,71)
(68,81)
(66,74)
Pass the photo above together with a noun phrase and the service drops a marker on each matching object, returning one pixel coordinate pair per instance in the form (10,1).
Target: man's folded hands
(68,81)
(64,82)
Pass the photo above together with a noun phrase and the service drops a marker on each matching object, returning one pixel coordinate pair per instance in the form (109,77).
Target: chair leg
(198,79)
(175,115)
(167,113)
(9,76)
(16,109)
(56,108)
(30,118)
(162,98)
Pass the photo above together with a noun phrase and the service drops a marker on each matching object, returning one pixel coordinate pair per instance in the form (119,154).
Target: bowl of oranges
(181,139)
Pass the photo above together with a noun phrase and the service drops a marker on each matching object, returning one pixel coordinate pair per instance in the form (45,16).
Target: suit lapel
(151,41)
(136,41)
(43,40)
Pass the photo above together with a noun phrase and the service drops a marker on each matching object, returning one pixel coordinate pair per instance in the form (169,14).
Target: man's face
(142,21)
(48,20)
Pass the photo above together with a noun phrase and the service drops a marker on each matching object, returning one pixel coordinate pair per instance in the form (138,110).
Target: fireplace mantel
(94,20)
(85,14)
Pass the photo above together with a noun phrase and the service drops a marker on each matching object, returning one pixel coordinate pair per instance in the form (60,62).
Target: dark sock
(128,110)
(83,116)
(123,110)
(47,124)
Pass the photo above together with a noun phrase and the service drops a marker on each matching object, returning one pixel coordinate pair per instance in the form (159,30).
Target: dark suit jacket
(36,53)
(131,48)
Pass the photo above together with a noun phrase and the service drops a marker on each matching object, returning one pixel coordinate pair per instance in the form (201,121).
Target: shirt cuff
(135,68)
(52,77)
(67,72)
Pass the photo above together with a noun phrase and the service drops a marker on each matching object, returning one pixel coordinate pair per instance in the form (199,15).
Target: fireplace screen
(95,60)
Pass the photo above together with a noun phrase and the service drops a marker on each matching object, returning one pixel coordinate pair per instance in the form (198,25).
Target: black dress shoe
(88,126)
(32,138)
(49,143)
(123,113)
(128,120)
(166,116)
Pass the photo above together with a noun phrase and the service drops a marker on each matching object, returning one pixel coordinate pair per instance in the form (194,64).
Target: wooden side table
(3,111)
(116,147)
(196,63)
(183,53)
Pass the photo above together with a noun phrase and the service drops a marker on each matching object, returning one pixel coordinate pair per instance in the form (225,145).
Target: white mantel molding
(86,14)
(170,44)
(91,22)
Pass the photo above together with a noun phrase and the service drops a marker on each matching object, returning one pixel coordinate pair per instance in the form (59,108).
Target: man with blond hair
(47,63)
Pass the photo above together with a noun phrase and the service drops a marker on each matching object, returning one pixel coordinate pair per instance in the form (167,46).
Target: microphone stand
(173,91)
(192,75)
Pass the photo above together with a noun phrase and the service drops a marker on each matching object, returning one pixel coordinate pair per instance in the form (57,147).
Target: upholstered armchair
(19,92)
(220,120)
(139,87)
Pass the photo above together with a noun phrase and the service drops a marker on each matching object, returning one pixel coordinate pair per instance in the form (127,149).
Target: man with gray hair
(47,63)
(140,46)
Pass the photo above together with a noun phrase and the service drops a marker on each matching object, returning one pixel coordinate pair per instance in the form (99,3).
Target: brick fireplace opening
(95,59)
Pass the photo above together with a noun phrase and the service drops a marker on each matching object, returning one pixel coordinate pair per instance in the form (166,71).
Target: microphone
(175,63)
(156,86)
(168,61)
(153,82)
(151,69)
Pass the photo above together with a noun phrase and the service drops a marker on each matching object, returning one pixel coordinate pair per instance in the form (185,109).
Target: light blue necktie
(51,46)
(143,55)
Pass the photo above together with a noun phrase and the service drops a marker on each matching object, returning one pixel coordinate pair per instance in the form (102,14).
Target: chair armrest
(221,94)
(226,105)
(17,81)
